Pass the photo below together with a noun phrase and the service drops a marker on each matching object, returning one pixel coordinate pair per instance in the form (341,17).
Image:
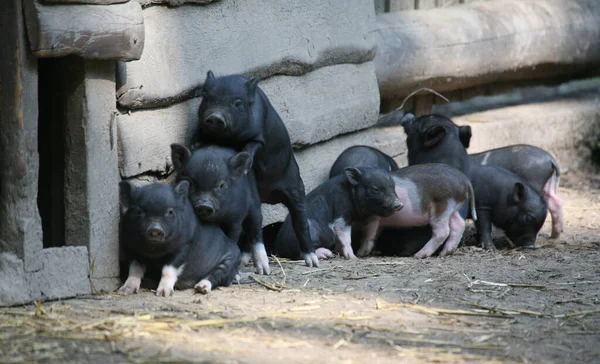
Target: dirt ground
(532,306)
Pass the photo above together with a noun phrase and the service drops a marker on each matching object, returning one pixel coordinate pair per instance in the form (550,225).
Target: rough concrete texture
(568,128)
(65,273)
(314,107)
(20,225)
(145,3)
(89,31)
(464,46)
(242,36)
(316,160)
(14,288)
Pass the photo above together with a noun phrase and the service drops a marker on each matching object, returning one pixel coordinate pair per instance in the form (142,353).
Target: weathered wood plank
(247,37)
(20,225)
(314,107)
(90,31)
(464,46)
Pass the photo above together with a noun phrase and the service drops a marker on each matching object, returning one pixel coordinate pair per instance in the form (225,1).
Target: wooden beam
(469,45)
(90,31)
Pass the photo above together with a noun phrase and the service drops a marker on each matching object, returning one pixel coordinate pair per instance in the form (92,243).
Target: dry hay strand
(383,305)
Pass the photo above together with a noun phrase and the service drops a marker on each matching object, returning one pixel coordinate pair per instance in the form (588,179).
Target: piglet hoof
(130,286)
(311,260)
(164,290)
(363,252)
(245,259)
(204,286)
(348,253)
(324,253)
(555,234)
(423,253)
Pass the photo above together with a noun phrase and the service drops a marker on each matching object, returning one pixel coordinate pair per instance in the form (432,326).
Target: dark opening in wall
(52,99)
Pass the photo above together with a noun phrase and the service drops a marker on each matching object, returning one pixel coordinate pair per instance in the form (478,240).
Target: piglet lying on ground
(223,191)
(161,235)
(350,199)
(508,202)
(432,194)
(534,165)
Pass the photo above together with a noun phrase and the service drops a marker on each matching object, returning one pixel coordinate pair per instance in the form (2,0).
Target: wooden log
(464,46)
(89,31)
(286,37)
(314,107)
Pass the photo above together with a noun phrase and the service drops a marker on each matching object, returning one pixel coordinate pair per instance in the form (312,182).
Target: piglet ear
(251,86)
(353,175)
(464,134)
(432,136)
(179,155)
(519,193)
(125,198)
(210,78)
(240,164)
(407,119)
(181,191)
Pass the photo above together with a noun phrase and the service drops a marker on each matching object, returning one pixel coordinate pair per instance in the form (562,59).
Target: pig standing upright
(161,235)
(223,191)
(509,203)
(348,200)
(236,113)
(362,156)
(534,165)
(432,195)
(429,139)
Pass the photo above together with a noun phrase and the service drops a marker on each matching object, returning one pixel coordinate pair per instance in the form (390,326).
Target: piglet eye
(374,190)
(237,102)
(222,185)
(170,212)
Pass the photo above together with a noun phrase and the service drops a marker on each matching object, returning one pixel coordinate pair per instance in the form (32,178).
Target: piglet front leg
(370,234)
(167,282)
(484,229)
(134,279)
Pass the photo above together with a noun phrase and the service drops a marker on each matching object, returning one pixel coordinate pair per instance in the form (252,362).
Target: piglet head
(528,211)
(374,191)
(154,216)
(227,105)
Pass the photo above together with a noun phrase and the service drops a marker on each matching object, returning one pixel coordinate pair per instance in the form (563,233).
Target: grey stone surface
(566,127)
(242,36)
(14,288)
(20,225)
(316,160)
(65,273)
(92,177)
(92,2)
(145,3)
(90,31)
(314,107)
(464,46)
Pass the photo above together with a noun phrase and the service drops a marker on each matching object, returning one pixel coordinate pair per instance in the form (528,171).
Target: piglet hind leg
(296,204)
(441,230)
(204,286)
(324,253)
(134,279)
(457,228)
(253,226)
(259,256)
(555,207)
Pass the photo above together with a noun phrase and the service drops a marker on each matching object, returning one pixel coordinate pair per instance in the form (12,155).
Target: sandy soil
(512,306)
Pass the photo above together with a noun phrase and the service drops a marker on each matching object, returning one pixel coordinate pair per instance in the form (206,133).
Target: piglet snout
(155,232)
(204,210)
(397,205)
(215,120)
